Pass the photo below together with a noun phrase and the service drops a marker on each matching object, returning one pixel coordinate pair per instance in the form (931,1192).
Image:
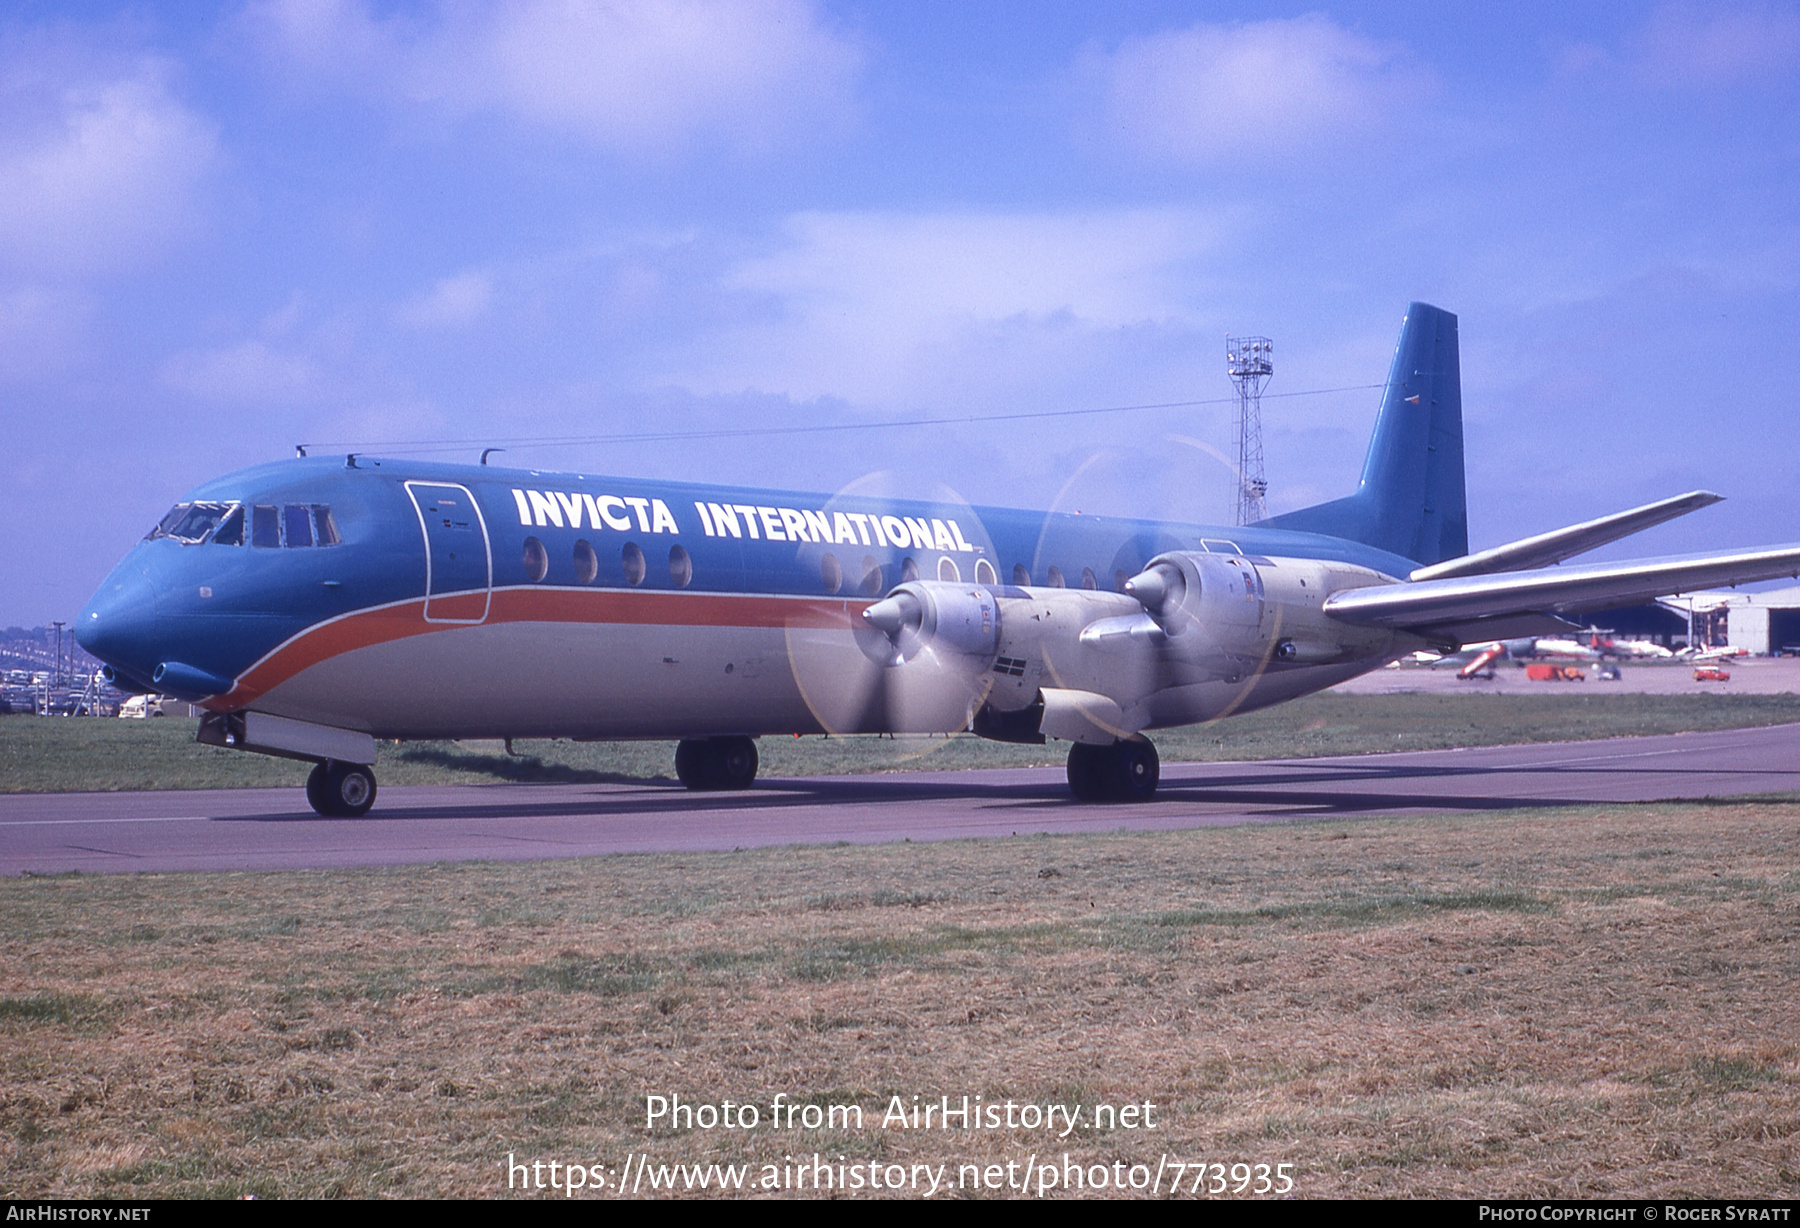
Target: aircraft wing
(1461,608)
(1560,544)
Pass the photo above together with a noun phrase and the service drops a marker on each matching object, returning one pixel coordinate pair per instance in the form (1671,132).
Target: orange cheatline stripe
(547,605)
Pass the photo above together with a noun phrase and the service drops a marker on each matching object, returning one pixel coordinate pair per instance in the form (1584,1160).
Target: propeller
(871,656)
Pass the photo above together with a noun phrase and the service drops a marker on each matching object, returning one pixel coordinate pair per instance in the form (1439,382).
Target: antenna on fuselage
(485,451)
(299,449)
(1250,361)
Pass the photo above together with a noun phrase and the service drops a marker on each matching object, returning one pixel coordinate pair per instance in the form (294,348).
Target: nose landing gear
(1126,771)
(341,790)
(710,764)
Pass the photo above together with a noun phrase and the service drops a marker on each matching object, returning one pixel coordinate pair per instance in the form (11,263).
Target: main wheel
(1087,772)
(1126,771)
(1136,769)
(716,763)
(693,763)
(734,763)
(316,796)
(341,790)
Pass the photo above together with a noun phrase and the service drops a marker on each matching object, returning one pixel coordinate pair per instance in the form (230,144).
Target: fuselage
(416,600)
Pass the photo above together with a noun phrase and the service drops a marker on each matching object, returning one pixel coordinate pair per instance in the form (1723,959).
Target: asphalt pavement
(272,829)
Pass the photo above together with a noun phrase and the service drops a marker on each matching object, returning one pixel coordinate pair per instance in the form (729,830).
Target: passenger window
(909,570)
(681,567)
(984,572)
(265,525)
(633,558)
(297,520)
(536,559)
(948,571)
(231,533)
(831,572)
(587,563)
(1088,579)
(325,530)
(871,581)
(1021,576)
(1056,576)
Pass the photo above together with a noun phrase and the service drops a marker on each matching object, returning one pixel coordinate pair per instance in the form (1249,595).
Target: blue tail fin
(1410,500)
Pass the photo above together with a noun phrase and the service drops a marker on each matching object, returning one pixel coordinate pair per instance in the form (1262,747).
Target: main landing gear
(710,764)
(341,790)
(1126,771)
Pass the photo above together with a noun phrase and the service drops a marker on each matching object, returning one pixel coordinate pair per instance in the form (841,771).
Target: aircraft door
(459,565)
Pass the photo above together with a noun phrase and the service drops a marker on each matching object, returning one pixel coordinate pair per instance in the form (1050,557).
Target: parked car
(1711,673)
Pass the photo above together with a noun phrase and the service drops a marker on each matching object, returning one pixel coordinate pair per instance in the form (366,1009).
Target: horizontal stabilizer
(1425,606)
(1559,544)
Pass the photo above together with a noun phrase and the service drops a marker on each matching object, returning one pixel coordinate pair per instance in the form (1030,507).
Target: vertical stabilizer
(1410,500)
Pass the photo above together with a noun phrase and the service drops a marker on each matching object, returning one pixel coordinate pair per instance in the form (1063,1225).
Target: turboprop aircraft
(316,605)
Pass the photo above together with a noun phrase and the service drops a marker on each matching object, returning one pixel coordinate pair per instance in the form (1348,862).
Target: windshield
(191,522)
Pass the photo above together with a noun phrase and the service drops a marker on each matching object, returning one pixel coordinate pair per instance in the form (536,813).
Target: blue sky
(228,228)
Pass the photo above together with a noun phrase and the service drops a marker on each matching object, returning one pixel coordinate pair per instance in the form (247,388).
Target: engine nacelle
(1211,607)
(1193,635)
(957,620)
(1231,616)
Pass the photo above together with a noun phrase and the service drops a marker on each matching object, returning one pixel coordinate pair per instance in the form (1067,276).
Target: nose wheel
(341,790)
(712,764)
(1126,771)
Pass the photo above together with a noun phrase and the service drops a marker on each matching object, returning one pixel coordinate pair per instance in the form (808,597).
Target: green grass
(45,755)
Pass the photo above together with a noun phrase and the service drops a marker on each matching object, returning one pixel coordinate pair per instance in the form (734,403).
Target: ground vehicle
(1541,672)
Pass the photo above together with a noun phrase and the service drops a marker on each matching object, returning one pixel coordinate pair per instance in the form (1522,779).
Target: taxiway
(271,829)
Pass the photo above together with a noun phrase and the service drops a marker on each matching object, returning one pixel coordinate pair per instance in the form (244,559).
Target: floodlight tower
(1250,361)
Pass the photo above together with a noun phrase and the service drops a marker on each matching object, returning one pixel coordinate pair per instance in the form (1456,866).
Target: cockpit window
(231,530)
(290,524)
(189,523)
(297,521)
(265,525)
(167,522)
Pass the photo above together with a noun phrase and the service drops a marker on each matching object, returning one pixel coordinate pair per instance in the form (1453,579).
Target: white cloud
(98,175)
(1211,92)
(251,373)
(874,306)
(639,76)
(453,303)
(1685,45)
(41,331)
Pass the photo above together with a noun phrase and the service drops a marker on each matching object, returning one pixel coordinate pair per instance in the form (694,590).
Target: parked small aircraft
(315,605)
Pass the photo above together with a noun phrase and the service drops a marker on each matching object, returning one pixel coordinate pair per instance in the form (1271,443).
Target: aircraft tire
(341,790)
(693,763)
(734,762)
(714,764)
(315,791)
(1136,769)
(1087,772)
(1127,771)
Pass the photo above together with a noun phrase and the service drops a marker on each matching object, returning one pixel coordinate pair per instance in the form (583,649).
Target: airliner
(317,605)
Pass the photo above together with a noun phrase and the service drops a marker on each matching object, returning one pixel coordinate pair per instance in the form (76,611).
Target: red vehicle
(1554,673)
(1711,673)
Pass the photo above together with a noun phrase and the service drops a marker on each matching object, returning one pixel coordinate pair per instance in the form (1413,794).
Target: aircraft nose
(118,624)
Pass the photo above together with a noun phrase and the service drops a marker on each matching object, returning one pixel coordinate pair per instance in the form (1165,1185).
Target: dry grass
(1575,1003)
